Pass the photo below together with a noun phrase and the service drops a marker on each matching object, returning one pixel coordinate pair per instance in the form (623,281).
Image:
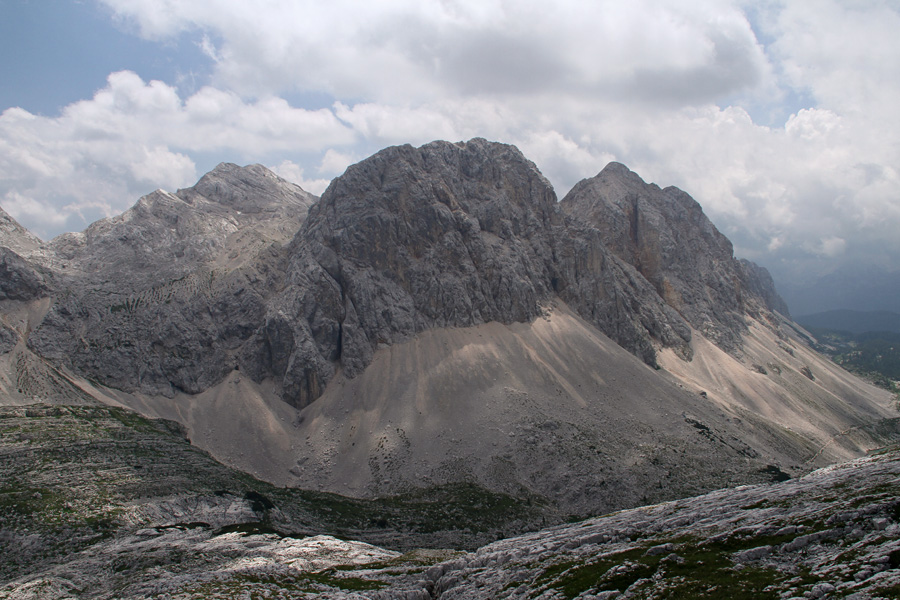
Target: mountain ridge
(438,316)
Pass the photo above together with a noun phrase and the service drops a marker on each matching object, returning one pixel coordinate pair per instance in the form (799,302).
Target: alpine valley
(242,390)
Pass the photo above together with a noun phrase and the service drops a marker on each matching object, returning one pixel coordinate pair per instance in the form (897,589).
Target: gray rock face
(759,283)
(446,235)
(665,236)
(162,297)
(612,295)
(8,339)
(19,278)
(411,239)
(185,287)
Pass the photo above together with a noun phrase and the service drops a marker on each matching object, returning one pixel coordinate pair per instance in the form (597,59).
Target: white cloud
(653,51)
(99,155)
(669,88)
(845,54)
(831,247)
(812,124)
(334,162)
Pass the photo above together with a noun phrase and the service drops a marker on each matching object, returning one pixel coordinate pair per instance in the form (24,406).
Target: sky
(780,117)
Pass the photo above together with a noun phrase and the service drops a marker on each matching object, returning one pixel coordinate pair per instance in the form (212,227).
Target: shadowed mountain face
(436,317)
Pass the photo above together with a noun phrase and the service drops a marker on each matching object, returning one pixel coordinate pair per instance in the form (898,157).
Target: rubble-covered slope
(72,477)
(158,519)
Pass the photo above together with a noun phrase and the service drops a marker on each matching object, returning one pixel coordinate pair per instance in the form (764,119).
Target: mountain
(438,318)
(665,236)
(860,287)
(161,297)
(854,321)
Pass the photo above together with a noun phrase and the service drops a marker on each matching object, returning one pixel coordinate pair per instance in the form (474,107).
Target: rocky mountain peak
(162,297)
(15,237)
(178,232)
(252,189)
(664,234)
(494,183)
(410,239)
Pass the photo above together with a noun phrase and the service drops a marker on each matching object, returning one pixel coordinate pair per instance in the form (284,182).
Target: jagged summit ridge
(411,239)
(436,317)
(664,234)
(446,235)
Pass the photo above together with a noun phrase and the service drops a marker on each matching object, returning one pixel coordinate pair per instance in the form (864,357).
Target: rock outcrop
(107,505)
(19,278)
(162,297)
(664,234)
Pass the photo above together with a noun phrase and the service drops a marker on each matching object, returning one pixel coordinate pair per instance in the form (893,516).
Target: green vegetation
(695,569)
(873,355)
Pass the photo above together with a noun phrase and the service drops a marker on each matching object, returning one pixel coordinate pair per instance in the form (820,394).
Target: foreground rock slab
(832,534)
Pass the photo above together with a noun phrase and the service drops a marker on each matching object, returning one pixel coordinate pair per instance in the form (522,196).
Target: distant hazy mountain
(853,288)
(854,321)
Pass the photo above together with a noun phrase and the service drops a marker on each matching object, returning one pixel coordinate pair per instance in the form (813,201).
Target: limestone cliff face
(20,279)
(760,286)
(411,239)
(162,297)
(446,235)
(664,234)
(183,288)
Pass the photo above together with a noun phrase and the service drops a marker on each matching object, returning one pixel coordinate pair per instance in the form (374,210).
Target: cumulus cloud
(683,93)
(99,155)
(651,51)
(293,172)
